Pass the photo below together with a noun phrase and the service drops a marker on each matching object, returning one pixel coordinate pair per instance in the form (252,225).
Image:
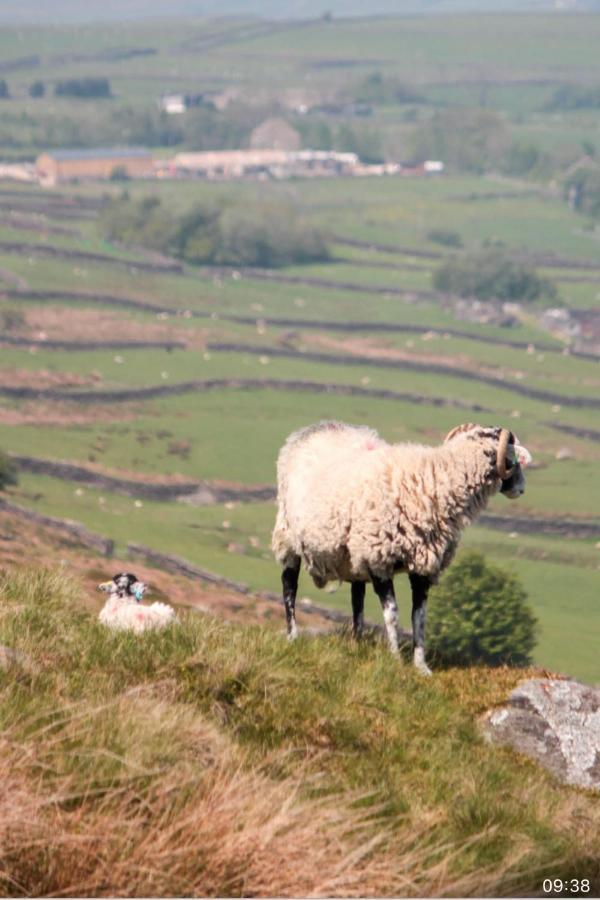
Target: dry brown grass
(208,825)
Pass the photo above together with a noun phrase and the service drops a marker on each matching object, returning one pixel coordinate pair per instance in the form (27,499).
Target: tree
(4,92)
(37,89)
(267,233)
(365,142)
(469,139)
(8,471)
(492,275)
(480,614)
(582,190)
(84,88)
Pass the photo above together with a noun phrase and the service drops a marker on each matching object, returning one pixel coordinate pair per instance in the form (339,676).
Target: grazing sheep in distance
(355,508)
(123,610)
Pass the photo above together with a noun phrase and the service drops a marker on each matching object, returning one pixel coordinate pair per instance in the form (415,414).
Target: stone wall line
(243,384)
(51,344)
(409,365)
(54,252)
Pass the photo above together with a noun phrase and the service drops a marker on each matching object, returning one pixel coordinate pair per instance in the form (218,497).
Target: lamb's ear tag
(138,592)
(523,455)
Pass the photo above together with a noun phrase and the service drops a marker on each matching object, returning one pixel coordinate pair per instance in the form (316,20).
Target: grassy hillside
(215,759)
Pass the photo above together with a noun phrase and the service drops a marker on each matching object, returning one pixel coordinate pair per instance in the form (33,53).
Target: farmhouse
(73,165)
(226,164)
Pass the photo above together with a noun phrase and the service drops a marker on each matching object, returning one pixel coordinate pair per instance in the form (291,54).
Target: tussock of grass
(217,760)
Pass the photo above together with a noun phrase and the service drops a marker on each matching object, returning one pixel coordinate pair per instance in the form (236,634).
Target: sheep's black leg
(384,588)
(289,580)
(420,585)
(358,607)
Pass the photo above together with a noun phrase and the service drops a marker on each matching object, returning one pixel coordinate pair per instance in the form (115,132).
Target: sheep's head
(509,457)
(124,584)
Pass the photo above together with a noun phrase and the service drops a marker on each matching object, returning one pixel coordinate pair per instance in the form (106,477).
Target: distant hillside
(63,11)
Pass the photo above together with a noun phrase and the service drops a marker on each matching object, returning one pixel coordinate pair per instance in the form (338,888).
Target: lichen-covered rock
(556,723)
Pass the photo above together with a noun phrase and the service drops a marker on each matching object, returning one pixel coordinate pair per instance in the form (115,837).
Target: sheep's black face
(124,584)
(513,487)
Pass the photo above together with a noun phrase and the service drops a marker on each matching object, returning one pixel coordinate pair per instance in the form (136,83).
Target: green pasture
(235,435)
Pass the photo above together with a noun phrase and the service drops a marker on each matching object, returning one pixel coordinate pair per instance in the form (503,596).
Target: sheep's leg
(358,608)
(289,580)
(384,588)
(420,588)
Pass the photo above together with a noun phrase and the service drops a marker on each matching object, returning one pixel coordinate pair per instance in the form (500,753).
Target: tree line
(266,233)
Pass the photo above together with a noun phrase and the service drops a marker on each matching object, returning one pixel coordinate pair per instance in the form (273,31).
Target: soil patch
(65,415)
(44,378)
(51,323)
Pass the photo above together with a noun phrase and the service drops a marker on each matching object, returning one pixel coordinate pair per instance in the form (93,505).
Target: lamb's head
(124,585)
(508,457)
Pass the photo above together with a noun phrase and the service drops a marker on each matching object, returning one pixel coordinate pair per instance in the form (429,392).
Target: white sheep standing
(124,611)
(355,508)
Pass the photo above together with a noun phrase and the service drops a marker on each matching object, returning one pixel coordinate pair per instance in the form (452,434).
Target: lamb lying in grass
(124,611)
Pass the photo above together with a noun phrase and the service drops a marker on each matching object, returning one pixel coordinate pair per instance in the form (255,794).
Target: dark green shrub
(119,173)
(4,91)
(574,96)
(445,237)
(491,274)
(479,614)
(83,88)
(37,89)
(523,159)
(8,471)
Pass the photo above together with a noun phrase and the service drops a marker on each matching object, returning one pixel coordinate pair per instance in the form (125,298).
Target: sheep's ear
(106,586)
(138,589)
(522,454)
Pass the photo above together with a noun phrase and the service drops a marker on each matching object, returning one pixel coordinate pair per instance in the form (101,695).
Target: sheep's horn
(503,472)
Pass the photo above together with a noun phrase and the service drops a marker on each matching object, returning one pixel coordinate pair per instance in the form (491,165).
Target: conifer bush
(479,614)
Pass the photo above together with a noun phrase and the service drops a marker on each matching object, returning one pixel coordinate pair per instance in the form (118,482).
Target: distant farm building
(172,104)
(274,134)
(175,104)
(226,164)
(82,165)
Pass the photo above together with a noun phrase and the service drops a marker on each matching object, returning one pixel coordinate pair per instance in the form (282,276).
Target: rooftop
(99,153)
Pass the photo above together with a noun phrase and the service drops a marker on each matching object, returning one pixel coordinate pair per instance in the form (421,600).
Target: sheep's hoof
(419,662)
(292,635)
(423,669)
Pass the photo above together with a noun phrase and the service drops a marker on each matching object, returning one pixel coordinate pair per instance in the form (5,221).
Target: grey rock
(555,722)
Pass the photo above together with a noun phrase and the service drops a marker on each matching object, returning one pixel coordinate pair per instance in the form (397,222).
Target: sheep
(354,508)
(123,610)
